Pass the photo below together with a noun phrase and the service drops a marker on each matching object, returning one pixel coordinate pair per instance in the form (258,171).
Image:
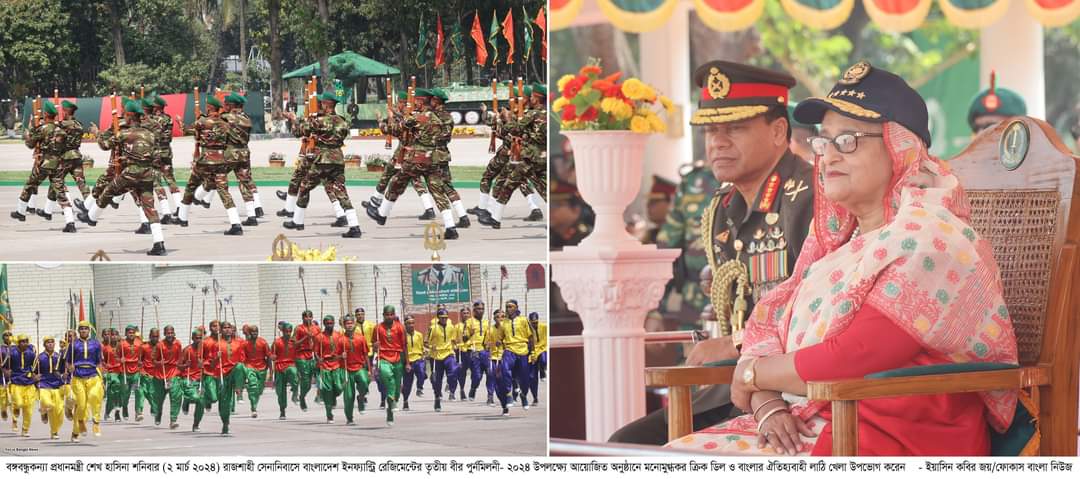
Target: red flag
(438,42)
(477,35)
(541,21)
(508,34)
(82,311)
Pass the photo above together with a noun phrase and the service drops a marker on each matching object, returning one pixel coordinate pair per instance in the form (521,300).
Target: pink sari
(926,269)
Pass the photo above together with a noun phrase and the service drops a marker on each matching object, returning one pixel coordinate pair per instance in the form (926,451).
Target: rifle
(142,91)
(38,119)
(410,104)
(389,112)
(519,110)
(495,111)
(195,155)
(312,111)
(114,158)
(56,103)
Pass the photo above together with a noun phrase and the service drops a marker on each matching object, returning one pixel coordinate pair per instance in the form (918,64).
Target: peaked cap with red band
(733,92)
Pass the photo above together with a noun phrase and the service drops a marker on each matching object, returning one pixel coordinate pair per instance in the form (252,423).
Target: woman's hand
(740,391)
(782,431)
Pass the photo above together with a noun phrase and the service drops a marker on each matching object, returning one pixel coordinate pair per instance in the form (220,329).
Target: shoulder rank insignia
(769,195)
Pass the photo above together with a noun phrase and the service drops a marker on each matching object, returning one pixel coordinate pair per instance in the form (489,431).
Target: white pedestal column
(999,45)
(611,280)
(612,290)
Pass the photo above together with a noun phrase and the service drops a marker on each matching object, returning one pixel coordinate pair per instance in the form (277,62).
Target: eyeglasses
(844,142)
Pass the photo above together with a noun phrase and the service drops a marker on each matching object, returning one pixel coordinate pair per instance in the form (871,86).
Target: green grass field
(464,176)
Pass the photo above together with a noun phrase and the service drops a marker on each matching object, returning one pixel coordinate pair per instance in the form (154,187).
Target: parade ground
(461,429)
(400,240)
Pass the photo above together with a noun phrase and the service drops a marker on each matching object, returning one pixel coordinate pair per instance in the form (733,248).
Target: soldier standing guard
(328,168)
(136,145)
(753,227)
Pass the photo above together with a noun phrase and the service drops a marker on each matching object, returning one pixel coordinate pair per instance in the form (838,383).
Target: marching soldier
(72,160)
(50,141)
(163,157)
(993,105)
(284,358)
(417,350)
(136,145)
(422,160)
(211,135)
(328,168)
(356,365)
(238,156)
(531,165)
(755,223)
(479,357)
(441,159)
(395,129)
(389,348)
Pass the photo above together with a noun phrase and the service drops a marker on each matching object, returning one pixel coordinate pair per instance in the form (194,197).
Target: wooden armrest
(688,375)
(573,447)
(859,389)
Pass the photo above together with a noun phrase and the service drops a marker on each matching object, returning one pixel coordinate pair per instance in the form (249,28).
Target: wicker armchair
(1031,215)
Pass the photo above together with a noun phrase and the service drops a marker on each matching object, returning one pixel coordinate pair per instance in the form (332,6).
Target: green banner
(5,306)
(440,283)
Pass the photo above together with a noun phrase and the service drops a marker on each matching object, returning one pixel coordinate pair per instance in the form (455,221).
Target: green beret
(528,90)
(389,309)
(403,95)
(213,101)
(147,101)
(285,325)
(328,317)
(539,89)
(134,107)
(48,108)
(130,326)
(996,101)
(422,92)
(159,101)
(329,96)
(440,94)
(68,104)
(235,99)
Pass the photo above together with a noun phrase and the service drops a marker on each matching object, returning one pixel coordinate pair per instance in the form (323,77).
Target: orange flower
(590,69)
(614,77)
(601,85)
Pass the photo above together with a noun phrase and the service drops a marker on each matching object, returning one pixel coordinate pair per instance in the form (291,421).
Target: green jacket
(136,145)
(212,134)
(238,136)
(51,139)
(74,130)
(330,132)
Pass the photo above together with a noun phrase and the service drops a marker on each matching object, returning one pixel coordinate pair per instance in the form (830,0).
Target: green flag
(6,322)
(92,317)
(528,34)
(421,44)
(457,40)
(493,38)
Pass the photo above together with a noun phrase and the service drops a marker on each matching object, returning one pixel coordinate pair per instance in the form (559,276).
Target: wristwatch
(749,377)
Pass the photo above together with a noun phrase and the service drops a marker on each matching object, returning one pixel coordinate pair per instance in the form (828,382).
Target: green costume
(282,379)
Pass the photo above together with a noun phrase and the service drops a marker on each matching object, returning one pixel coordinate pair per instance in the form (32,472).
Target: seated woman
(891,276)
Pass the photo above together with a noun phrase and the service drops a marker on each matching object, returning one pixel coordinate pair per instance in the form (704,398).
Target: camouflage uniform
(532,131)
(237,154)
(162,125)
(51,140)
(682,230)
(328,163)
(72,161)
(441,158)
(113,168)
(136,145)
(211,133)
(395,129)
(428,130)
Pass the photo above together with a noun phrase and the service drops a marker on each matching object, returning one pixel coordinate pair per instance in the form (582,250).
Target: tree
(274,18)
